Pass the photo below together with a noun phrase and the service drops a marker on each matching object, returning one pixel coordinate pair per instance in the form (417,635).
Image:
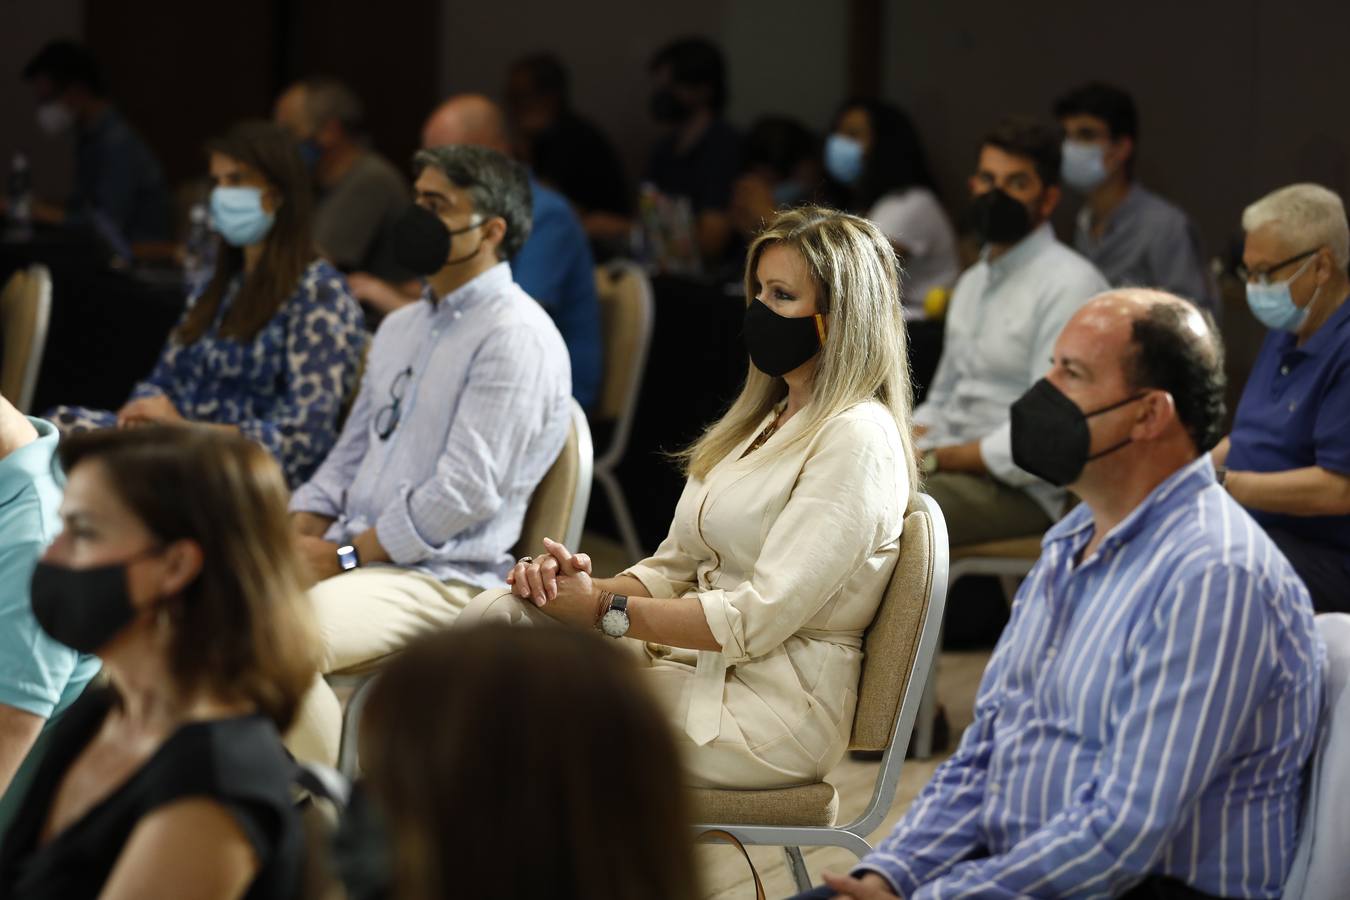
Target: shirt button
(1050,653)
(1284,370)
(458,313)
(1293,406)
(994,787)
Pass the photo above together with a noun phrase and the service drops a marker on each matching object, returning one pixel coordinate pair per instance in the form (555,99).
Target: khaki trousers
(365,616)
(979,508)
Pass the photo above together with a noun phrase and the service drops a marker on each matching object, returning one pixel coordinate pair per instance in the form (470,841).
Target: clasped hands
(559,583)
(155,410)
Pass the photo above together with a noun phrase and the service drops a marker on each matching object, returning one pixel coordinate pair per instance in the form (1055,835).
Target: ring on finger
(525,560)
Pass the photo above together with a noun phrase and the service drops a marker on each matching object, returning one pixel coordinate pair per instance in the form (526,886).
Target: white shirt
(1002,323)
(915,220)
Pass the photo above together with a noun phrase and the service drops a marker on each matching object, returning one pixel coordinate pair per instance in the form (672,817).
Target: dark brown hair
(243,629)
(287,250)
(1038,141)
(474,736)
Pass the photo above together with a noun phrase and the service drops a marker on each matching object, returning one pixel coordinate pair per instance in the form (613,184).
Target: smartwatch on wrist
(348,558)
(615,620)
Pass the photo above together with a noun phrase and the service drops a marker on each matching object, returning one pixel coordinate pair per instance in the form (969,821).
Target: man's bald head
(1163,343)
(470,119)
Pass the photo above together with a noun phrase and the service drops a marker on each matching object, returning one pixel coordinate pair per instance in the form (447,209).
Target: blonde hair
(864,356)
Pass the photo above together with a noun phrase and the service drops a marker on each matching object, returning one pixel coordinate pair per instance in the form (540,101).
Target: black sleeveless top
(238,762)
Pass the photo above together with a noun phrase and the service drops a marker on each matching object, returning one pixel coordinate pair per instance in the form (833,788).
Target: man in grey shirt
(361,194)
(1132,235)
(463,407)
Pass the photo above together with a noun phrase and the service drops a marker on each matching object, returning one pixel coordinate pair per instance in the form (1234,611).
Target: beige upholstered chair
(557,510)
(25,310)
(899,648)
(627,313)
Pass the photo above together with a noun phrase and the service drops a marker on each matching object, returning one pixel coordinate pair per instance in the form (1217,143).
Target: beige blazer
(789,550)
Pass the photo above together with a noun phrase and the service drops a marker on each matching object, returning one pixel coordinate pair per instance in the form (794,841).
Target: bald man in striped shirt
(1142,726)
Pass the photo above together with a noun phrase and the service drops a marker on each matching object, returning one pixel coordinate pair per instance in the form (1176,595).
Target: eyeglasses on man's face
(387,419)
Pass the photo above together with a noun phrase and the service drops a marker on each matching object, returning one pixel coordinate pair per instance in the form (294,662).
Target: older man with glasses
(1288,458)
(463,408)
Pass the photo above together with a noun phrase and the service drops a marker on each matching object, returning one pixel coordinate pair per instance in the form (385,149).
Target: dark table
(695,369)
(107,324)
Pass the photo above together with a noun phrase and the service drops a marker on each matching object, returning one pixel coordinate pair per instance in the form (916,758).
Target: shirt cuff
(902,886)
(398,534)
(310,497)
(724,621)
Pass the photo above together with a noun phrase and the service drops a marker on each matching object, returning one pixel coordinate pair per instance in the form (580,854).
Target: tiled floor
(724,873)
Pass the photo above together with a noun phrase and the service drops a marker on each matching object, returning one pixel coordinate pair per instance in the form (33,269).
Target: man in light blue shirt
(1142,728)
(39,677)
(462,409)
(1135,237)
(1004,316)
(554,265)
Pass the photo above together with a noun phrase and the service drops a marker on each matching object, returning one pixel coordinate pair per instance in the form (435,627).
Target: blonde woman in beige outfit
(748,620)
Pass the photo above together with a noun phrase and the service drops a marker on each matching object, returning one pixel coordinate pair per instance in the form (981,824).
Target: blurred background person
(874,151)
(782,169)
(271,345)
(176,569)
(1128,232)
(564,149)
(360,193)
(617,781)
(117,177)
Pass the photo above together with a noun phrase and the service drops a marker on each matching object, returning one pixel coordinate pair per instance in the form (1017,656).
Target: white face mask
(54,118)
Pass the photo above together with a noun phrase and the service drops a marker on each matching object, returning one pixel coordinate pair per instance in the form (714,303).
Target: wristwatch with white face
(615,620)
(348,558)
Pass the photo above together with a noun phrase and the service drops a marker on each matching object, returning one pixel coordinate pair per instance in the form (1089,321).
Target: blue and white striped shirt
(1146,712)
(482,382)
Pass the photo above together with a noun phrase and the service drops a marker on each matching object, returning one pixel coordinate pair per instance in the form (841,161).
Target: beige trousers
(728,761)
(979,509)
(365,616)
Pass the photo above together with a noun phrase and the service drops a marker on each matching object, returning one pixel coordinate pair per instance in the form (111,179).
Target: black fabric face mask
(669,109)
(778,344)
(1050,435)
(422,242)
(82,608)
(998,218)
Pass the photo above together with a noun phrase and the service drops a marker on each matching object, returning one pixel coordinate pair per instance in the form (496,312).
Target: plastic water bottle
(197,261)
(20,198)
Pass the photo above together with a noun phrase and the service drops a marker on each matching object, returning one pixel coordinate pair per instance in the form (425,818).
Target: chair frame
(853,836)
(39,285)
(364,681)
(608,462)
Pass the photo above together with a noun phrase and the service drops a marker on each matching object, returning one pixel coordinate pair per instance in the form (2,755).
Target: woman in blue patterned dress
(271,344)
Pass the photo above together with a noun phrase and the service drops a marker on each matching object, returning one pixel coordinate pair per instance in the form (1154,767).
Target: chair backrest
(1321,869)
(893,645)
(25,309)
(627,313)
(557,508)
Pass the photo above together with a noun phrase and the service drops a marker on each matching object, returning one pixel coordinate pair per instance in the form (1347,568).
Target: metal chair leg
(927,718)
(797,866)
(632,544)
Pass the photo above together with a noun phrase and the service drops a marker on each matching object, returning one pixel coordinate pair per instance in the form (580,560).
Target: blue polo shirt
(556,269)
(1295,413)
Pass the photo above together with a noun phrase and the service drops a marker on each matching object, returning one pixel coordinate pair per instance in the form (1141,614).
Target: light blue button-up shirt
(1148,242)
(484,412)
(1004,317)
(1147,711)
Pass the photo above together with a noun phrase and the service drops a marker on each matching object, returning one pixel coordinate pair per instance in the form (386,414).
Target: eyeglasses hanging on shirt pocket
(387,419)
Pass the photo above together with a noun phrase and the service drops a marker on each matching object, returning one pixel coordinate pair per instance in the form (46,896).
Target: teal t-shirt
(37,674)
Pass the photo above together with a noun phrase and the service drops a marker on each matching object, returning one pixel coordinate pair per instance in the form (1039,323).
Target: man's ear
(494,230)
(1050,200)
(1158,410)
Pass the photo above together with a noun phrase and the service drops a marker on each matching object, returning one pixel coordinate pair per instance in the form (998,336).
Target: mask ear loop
(821,329)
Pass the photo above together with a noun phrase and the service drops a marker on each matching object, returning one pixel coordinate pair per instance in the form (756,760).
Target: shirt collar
(1019,254)
(483,287)
(1179,487)
(1323,338)
(31,462)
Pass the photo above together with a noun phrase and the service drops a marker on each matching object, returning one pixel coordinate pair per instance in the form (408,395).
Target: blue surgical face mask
(1273,305)
(1084,165)
(843,158)
(239,216)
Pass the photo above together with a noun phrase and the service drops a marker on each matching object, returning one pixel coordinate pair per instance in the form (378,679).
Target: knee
(496,605)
